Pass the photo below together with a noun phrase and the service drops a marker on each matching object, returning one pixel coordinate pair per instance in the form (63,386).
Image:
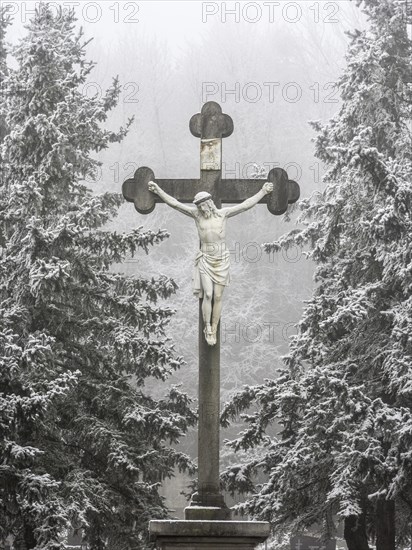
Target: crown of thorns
(201,197)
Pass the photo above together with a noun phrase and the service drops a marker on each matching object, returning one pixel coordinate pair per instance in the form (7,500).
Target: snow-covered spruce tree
(343,400)
(82,444)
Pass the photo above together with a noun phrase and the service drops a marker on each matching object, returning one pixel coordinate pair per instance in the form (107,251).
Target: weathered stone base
(208,513)
(208,535)
(207,506)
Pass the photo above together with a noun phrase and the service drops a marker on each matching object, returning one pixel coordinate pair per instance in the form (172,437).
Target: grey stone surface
(208,535)
(212,513)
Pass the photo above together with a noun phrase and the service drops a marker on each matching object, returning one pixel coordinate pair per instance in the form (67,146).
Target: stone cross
(211,126)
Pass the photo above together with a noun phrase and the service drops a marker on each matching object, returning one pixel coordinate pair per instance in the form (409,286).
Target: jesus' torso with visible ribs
(212,229)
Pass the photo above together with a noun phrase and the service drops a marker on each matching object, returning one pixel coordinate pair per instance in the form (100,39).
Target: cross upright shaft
(211,126)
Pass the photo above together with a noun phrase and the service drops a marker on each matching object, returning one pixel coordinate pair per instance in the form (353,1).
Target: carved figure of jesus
(211,271)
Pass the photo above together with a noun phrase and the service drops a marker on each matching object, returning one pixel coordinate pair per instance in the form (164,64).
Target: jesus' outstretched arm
(171,201)
(248,203)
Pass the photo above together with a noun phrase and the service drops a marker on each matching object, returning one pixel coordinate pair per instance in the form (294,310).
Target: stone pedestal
(208,535)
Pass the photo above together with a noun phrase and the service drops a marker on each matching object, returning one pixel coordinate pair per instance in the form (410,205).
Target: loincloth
(214,262)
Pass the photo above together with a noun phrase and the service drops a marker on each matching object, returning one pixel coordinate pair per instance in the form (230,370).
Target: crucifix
(205,196)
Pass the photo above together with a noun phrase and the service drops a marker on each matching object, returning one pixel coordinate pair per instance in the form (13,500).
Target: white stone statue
(211,273)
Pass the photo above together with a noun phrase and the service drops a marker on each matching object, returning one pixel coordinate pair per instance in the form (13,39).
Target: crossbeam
(232,191)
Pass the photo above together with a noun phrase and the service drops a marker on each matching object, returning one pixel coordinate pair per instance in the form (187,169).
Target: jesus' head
(205,204)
